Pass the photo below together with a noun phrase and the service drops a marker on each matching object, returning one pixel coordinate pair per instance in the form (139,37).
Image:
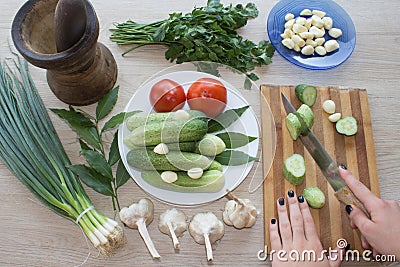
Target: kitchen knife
(328,167)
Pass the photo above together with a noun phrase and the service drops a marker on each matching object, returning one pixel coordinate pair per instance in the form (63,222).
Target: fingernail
(281,201)
(290,193)
(273,221)
(347,248)
(301,199)
(343,167)
(349,209)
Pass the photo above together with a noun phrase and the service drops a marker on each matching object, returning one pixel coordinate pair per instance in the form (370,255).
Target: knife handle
(347,197)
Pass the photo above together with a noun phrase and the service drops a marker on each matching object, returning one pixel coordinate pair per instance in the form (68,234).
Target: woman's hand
(381,233)
(297,233)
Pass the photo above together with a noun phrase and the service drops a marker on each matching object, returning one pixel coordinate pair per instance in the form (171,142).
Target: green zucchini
(211,181)
(141,119)
(146,159)
(314,196)
(170,132)
(215,165)
(306,114)
(307,94)
(294,169)
(293,125)
(347,126)
(210,145)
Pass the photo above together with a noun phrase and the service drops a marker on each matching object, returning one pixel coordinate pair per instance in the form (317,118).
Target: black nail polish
(290,193)
(347,248)
(342,167)
(273,221)
(281,201)
(301,199)
(349,209)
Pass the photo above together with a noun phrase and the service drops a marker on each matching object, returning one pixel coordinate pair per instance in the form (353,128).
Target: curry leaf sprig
(98,175)
(33,152)
(206,34)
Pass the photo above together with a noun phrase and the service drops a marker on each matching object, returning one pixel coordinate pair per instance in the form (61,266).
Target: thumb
(336,261)
(359,219)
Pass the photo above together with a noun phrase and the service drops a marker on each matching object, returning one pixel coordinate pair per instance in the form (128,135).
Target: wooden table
(31,235)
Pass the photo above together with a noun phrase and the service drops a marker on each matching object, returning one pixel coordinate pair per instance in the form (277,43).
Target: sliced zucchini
(294,169)
(306,114)
(347,126)
(307,94)
(293,125)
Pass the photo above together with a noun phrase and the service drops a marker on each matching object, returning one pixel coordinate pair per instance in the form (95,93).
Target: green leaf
(233,158)
(247,83)
(98,163)
(93,179)
(225,119)
(117,120)
(213,3)
(83,126)
(235,140)
(83,145)
(122,176)
(113,155)
(106,103)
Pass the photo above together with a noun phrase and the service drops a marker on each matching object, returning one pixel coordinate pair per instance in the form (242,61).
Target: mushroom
(138,216)
(239,213)
(205,228)
(173,223)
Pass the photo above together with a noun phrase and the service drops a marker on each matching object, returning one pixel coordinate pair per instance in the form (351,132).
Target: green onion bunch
(32,151)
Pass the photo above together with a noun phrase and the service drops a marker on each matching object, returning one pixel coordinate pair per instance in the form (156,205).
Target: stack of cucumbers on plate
(173,151)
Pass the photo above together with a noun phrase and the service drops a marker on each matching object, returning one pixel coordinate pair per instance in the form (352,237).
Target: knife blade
(328,166)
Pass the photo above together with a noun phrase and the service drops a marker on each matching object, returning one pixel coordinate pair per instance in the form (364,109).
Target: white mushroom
(138,216)
(239,213)
(205,228)
(173,223)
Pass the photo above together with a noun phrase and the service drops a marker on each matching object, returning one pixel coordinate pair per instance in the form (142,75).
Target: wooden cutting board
(356,152)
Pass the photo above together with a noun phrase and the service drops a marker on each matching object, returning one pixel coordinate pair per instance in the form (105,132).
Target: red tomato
(167,95)
(207,95)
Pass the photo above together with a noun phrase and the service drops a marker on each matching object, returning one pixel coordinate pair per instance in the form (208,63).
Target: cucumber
(169,132)
(307,94)
(347,126)
(314,196)
(141,119)
(215,165)
(293,125)
(294,169)
(211,181)
(182,146)
(146,159)
(210,145)
(306,114)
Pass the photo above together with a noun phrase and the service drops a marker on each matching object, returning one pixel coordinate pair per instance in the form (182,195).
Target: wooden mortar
(80,75)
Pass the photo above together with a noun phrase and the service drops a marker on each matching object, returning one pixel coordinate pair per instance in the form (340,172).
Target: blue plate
(341,20)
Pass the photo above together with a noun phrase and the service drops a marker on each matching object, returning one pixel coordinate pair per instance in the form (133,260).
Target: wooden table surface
(32,235)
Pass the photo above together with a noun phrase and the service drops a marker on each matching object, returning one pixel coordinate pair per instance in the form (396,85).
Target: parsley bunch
(205,34)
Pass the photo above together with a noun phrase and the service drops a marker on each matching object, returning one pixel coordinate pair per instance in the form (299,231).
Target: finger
(362,192)
(360,220)
(274,236)
(364,243)
(310,230)
(336,261)
(284,223)
(353,226)
(296,218)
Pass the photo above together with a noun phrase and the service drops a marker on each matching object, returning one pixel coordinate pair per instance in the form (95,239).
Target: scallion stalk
(33,152)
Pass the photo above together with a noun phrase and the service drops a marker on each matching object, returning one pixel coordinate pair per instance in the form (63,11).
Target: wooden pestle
(70,22)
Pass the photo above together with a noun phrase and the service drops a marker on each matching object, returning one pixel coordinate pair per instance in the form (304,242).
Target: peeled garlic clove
(335,117)
(335,32)
(169,176)
(329,106)
(289,24)
(320,50)
(301,21)
(306,12)
(318,13)
(328,23)
(289,16)
(311,42)
(297,28)
(161,149)
(307,50)
(181,115)
(308,23)
(318,33)
(317,21)
(288,43)
(195,173)
(306,35)
(296,48)
(298,40)
(331,45)
(320,41)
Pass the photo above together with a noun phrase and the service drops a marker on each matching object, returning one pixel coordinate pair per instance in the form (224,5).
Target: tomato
(167,95)
(207,95)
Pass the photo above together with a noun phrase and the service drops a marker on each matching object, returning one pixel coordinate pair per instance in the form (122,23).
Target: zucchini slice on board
(294,169)
(306,94)
(347,126)
(306,114)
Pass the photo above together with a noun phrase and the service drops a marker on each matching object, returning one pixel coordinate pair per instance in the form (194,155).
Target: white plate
(234,175)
